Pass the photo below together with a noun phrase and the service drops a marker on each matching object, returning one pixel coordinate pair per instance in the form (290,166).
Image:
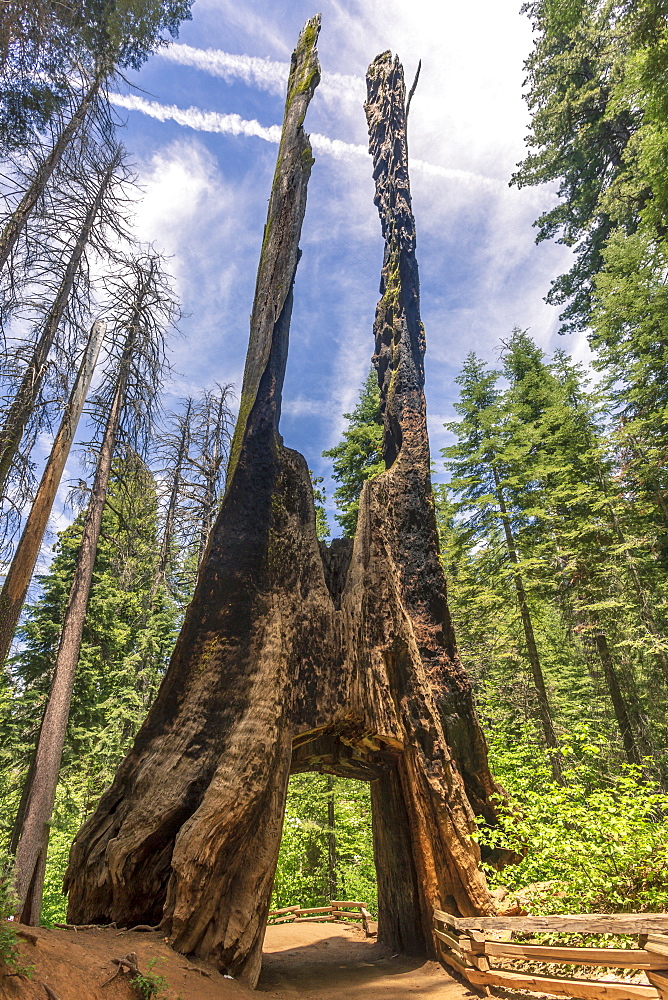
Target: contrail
(266,74)
(201,121)
(233,124)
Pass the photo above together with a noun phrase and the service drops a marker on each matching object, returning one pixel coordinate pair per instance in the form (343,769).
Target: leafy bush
(150,986)
(597,844)
(11,960)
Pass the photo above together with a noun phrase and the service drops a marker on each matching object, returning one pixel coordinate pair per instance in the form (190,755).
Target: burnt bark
(294,657)
(15,587)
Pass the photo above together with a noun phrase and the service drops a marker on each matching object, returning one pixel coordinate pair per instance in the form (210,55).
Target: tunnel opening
(327,844)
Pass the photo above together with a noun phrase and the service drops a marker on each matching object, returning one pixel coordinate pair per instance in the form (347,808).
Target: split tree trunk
(30,857)
(294,656)
(22,406)
(17,221)
(16,583)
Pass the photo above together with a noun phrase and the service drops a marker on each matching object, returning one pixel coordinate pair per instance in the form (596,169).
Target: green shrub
(11,960)
(597,844)
(150,986)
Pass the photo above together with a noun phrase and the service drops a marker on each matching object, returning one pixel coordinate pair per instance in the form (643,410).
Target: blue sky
(202,123)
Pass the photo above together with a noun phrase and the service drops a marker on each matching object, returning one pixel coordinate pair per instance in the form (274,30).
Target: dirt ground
(315,961)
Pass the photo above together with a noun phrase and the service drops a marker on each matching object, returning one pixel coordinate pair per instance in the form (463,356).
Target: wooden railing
(471,945)
(337,910)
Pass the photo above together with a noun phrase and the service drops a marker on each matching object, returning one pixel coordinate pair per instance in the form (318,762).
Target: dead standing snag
(294,656)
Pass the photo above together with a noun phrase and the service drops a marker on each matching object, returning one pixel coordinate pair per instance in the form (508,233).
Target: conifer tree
(142,310)
(358,456)
(481,476)
(560,469)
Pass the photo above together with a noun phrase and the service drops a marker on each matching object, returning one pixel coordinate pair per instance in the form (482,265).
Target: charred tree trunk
(297,657)
(16,224)
(16,583)
(24,401)
(43,776)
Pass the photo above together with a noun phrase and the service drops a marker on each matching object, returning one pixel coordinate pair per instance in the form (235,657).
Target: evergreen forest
(551,497)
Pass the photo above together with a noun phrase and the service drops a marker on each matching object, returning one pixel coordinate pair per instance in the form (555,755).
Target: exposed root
(127,964)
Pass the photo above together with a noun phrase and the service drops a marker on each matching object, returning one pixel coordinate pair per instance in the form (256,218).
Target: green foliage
(600,129)
(587,552)
(150,986)
(11,960)
(359,456)
(579,133)
(44,44)
(597,844)
(303,875)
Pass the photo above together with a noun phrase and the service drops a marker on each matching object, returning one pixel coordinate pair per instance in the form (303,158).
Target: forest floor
(313,961)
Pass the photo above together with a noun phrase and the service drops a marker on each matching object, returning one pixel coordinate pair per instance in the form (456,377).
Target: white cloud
(265,74)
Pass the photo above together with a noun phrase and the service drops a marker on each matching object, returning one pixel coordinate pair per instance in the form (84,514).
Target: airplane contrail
(233,124)
(266,74)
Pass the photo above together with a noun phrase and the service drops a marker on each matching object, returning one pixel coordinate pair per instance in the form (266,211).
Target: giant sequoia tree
(294,656)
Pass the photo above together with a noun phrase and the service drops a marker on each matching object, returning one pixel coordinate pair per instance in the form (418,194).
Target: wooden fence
(337,910)
(472,945)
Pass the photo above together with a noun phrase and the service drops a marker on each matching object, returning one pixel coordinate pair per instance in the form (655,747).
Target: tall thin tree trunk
(16,583)
(331,840)
(32,843)
(643,604)
(629,741)
(24,401)
(211,468)
(532,650)
(16,224)
(170,514)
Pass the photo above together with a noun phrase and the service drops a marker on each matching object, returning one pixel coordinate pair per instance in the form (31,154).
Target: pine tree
(43,45)
(358,456)
(482,464)
(127,639)
(142,311)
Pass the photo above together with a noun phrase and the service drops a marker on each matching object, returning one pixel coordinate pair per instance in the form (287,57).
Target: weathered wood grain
(613,958)
(295,656)
(587,923)
(583,989)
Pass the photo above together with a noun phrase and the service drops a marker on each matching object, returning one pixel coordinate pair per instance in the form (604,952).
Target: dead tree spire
(295,657)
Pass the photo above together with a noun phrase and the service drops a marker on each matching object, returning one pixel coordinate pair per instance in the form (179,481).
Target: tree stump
(297,656)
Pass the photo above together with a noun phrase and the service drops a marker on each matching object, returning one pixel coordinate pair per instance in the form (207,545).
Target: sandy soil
(319,961)
(336,962)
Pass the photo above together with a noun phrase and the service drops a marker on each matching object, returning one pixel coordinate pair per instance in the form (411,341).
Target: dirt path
(319,961)
(324,961)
